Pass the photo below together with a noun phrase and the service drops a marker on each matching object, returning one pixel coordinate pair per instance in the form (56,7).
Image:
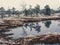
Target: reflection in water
(24,32)
(26,25)
(48,44)
(31,25)
(47,23)
(36,26)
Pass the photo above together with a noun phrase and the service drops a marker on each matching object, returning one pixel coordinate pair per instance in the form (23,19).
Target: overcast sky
(18,3)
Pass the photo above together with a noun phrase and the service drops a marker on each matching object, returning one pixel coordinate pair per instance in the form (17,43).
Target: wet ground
(37,28)
(33,29)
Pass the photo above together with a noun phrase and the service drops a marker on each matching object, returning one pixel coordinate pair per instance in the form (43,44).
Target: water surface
(36,28)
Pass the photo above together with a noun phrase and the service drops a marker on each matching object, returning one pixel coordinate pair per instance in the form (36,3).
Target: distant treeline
(31,11)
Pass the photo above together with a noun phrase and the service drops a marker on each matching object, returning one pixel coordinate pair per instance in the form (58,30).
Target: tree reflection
(37,28)
(26,25)
(32,26)
(47,23)
(24,32)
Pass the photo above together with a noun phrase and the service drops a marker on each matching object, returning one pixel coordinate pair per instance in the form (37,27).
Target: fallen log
(38,19)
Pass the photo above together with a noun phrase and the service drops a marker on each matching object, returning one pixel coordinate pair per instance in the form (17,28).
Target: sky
(18,4)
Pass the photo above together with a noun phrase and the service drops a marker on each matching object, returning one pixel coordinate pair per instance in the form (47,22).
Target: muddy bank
(7,24)
(47,38)
(15,22)
(30,40)
(38,19)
